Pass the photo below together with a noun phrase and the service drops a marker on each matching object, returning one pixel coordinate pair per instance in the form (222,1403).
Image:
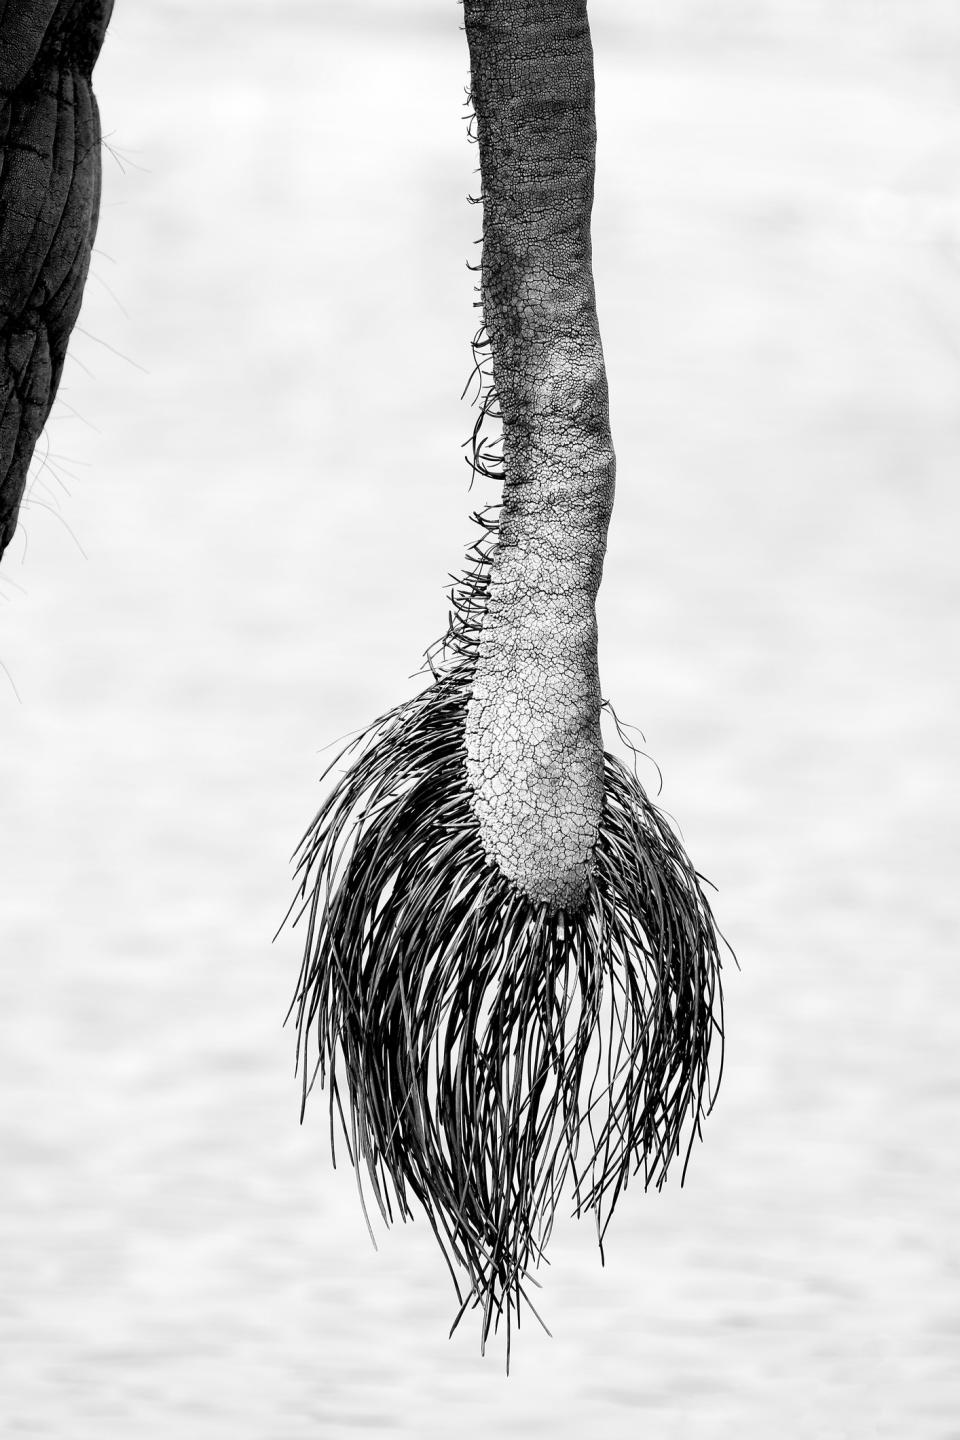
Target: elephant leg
(49,203)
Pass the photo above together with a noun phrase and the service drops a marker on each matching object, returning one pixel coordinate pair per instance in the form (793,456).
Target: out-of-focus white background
(269,495)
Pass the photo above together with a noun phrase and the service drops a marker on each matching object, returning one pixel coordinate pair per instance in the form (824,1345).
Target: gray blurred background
(269,494)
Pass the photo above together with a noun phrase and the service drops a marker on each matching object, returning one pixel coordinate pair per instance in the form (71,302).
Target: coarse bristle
(479,1049)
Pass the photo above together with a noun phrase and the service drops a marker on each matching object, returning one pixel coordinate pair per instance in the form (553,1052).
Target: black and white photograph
(479,690)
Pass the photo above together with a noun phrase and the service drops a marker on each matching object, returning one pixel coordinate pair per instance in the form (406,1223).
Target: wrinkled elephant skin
(49,203)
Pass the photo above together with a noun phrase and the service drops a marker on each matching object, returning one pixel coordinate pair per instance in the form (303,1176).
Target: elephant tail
(511,972)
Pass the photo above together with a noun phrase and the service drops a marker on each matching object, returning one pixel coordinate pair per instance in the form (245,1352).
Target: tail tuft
(480,1050)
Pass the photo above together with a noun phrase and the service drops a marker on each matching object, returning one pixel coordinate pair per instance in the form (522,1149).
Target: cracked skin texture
(534,748)
(49,203)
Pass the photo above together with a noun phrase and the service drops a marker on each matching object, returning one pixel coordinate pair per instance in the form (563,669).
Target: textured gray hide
(49,204)
(535,756)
